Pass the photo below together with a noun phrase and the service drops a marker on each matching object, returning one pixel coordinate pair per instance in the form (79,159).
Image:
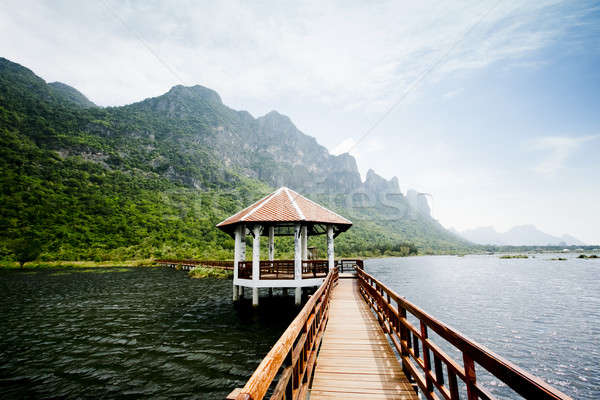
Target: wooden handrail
(349,264)
(293,357)
(225,264)
(423,360)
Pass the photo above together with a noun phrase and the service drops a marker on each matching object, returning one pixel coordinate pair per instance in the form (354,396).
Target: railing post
(426,360)
(289,388)
(470,376)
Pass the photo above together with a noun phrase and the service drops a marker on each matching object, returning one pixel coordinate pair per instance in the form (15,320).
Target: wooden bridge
(356,338)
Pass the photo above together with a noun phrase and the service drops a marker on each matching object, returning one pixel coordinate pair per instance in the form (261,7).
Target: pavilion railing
(292,358)
(277,269)
(284,269)
(434,371)
(315,268)
(245,269)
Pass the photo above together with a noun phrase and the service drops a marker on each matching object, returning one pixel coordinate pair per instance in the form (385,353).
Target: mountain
(70,95)
(524,235)
(151,179)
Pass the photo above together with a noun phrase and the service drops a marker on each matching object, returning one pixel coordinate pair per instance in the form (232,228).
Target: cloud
(347,55)
(558,149)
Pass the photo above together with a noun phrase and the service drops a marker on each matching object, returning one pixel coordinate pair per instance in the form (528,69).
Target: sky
(493,107)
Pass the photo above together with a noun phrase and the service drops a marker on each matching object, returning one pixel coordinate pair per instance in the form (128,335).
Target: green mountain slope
(151,179)
(69,95)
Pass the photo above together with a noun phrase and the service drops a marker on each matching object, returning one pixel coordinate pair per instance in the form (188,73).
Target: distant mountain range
(523,235)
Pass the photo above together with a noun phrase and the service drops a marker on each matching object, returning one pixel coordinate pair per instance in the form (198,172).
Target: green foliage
(509,256)
(209,272)
(590,256)
(25,249)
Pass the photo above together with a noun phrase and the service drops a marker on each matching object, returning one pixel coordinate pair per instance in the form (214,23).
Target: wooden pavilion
(282,213)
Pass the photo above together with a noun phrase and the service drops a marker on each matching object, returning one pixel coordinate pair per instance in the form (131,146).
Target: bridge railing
(225,264)
(292,358)
(434,371)
(349,264)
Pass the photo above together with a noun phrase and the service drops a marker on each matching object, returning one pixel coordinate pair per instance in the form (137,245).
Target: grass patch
(590,256)
(559,259)
(209,272)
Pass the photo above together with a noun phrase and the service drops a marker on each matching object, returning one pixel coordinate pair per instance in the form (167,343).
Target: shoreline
(143,263)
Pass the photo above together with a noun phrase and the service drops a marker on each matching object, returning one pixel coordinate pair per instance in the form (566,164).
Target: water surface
(128,333)
(115,333)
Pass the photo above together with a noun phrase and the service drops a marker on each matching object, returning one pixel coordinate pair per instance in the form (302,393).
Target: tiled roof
(285,205)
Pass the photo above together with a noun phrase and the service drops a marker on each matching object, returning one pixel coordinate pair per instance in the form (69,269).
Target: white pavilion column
(298,263)
(237,248)
(256,232)
(271,249)
(330,252)
(243,243)
(271,243)
(242,252)
(304,242)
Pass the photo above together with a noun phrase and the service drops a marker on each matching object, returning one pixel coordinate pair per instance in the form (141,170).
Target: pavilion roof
(285,206)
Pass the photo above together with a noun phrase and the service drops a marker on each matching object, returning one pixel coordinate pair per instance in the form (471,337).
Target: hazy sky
(491,106)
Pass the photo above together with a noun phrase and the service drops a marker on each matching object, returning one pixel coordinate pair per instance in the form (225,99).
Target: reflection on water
(129,333)
(542,315)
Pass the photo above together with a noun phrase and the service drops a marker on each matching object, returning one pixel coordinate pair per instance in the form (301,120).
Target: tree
(26,250)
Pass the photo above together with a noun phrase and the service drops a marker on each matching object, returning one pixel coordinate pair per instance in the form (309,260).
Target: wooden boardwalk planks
(355,360)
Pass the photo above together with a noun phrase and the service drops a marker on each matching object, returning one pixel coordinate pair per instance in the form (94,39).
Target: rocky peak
(344,162)
(275,121)
(194,93)
(184,102)
(376,183)
(418,201)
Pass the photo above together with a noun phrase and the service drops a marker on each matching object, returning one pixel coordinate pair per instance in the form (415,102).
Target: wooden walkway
(355,360)
(337,344)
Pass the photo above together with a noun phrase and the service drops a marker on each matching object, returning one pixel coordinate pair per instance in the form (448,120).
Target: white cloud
(558,149)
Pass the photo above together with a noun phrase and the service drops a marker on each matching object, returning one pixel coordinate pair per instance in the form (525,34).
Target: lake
(153,332)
